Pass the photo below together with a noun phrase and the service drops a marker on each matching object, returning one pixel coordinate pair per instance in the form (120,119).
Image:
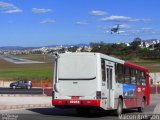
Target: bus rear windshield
(77,67)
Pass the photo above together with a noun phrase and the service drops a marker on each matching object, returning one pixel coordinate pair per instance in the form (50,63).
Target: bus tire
(119,109)
(143,104)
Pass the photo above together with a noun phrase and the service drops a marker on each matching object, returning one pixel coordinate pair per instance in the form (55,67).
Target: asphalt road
(21,91)
(70,114)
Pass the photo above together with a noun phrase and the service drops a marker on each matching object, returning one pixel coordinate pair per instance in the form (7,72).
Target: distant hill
(26,48)
(16,48)
(81,45)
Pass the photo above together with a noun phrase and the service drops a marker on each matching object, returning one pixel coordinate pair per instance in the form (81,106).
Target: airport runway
(15,60)
(21,91)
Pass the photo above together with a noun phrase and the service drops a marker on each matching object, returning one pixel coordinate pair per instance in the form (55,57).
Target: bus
(87,81)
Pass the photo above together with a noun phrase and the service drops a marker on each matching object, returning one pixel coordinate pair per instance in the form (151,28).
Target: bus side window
(108,79)
(116,72)
(120,73)
(138,80)
(103,70)
(133,76)
(127,75)
(143,78)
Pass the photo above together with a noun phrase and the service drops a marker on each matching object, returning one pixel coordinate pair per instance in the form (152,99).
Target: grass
(152,65)
(42,71)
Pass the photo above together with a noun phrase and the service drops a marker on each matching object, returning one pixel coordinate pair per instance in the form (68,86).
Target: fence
(46,85)
(5,83)
(154,78)
(155,90)
(35,83)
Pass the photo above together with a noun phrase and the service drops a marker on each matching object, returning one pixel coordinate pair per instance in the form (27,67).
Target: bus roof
(135,66)
(110,58)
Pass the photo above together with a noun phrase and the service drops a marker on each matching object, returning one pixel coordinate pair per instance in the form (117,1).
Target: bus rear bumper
(78,103)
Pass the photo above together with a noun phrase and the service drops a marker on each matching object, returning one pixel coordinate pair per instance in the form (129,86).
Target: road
(70,114)
(21,91)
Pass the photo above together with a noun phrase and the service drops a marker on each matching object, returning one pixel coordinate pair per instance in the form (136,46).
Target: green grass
(42,71)
(26,74)
(152,65)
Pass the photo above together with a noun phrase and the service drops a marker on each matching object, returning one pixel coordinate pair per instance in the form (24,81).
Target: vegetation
(44,71)
(135,53)
(40,71)
(128,52)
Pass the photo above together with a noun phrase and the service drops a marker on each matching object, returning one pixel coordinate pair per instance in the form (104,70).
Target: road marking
(157,109)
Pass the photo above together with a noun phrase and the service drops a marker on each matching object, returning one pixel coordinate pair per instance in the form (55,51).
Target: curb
(26,106)
(22,95)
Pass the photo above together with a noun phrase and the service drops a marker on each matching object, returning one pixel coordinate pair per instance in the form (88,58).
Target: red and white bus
(92,80)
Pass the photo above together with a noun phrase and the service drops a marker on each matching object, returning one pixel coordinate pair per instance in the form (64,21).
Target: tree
(135,44)
(73,49)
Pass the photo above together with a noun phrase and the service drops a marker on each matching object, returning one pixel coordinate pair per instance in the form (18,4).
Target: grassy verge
(152,65)
(42,71)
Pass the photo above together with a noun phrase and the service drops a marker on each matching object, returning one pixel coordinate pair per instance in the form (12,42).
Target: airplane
(115,29)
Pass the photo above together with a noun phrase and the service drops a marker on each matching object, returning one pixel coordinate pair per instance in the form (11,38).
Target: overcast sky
(50,22)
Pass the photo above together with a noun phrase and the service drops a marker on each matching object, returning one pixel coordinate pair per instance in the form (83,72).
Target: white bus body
(78,81)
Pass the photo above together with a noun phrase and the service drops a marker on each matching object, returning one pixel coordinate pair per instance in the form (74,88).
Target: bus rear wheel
(143,104)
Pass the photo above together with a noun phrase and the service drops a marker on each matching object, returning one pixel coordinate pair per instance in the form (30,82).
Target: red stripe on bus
(59,102)
(135,66)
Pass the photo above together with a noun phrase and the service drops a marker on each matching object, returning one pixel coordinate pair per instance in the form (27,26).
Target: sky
(57,22)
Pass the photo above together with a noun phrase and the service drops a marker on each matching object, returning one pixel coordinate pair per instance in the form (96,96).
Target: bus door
(107,84)
(110,82)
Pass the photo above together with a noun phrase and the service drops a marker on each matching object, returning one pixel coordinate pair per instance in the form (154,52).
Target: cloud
(108,31)
(123,19)
(40,10)
(13,11)
(142,31)
(97,13)
(124,26)
(9,8)
(146,29)
(47,21)
(81,23)
(121,31)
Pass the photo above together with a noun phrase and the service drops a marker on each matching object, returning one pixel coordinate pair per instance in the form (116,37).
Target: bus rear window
(77,67)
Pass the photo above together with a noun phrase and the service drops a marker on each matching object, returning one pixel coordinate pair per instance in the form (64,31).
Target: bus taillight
(98,95)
